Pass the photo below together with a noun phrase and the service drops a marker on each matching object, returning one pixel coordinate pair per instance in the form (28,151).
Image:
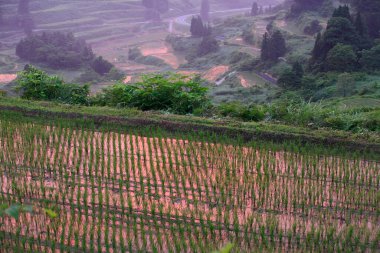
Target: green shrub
(246,113)
(172,93)
(134,53)
(37,85)
(57,50)
(101,66)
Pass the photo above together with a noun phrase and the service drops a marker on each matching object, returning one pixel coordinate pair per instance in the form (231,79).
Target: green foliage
(273,46)
(313,27)
(225,249)
(50,213)
(341,58)
(345,84)
(343,12)
(57,50)
(336,49)
(101,66)
(248,36)
(305,5)
(370,11)
(134,53)
(205,10)
(240,111)
(172,93)
(208,45)
(14,210)
(198,28)
(292,78)
(370,59)
(37,85)
(254,9)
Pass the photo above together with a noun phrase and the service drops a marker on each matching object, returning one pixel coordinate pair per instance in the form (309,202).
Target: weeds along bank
(143,189)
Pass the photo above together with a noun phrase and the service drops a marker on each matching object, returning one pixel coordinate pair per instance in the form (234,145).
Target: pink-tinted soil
(215,73)
(6,78)
(163,51)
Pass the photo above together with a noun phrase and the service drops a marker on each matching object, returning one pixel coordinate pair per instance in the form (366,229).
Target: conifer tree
(343,12)
(273,46)
(265,48)
(205,11)
(277,45)
(359,24)
(198,29)
(255,9)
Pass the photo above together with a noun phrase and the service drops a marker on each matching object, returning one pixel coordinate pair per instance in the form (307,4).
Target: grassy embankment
(329,141)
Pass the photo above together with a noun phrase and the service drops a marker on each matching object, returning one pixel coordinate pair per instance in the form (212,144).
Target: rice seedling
(129,190)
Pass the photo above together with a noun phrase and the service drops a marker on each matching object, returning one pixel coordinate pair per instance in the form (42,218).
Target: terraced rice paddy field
(145,190)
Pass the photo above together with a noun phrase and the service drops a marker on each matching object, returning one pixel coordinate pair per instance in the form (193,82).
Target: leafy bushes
(60,50)
(169,93)
(370,58)
(313,28)
(37,85)
(57,50)
(295,111)
(101,66)
(237,110)
(134,54)
(208,45)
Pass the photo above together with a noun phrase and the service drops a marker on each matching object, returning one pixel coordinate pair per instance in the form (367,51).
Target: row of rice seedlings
(204,227)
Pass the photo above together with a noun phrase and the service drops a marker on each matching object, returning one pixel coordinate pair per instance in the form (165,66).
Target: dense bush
(57,50)
(248,36)
(101,66)
(313,27)
(240,111)
(371,58)
(169,93)
(208,45)
(35,84)
(198,28)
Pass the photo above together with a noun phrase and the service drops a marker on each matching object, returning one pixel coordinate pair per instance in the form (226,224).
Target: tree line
(60,50)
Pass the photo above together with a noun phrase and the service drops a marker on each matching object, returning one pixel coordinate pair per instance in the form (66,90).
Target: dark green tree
(370,12)
(305,5)
(208,45)
(255,9)
(341,58)
(345,84)
(198,28)
(343,12)
(277,45)
(265,47)
(313,28)
(273,46)
(292,78)
(339,30)
(298,69)
(205,11)
(359,26)
(289,80)
(370,59)
(101,66)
